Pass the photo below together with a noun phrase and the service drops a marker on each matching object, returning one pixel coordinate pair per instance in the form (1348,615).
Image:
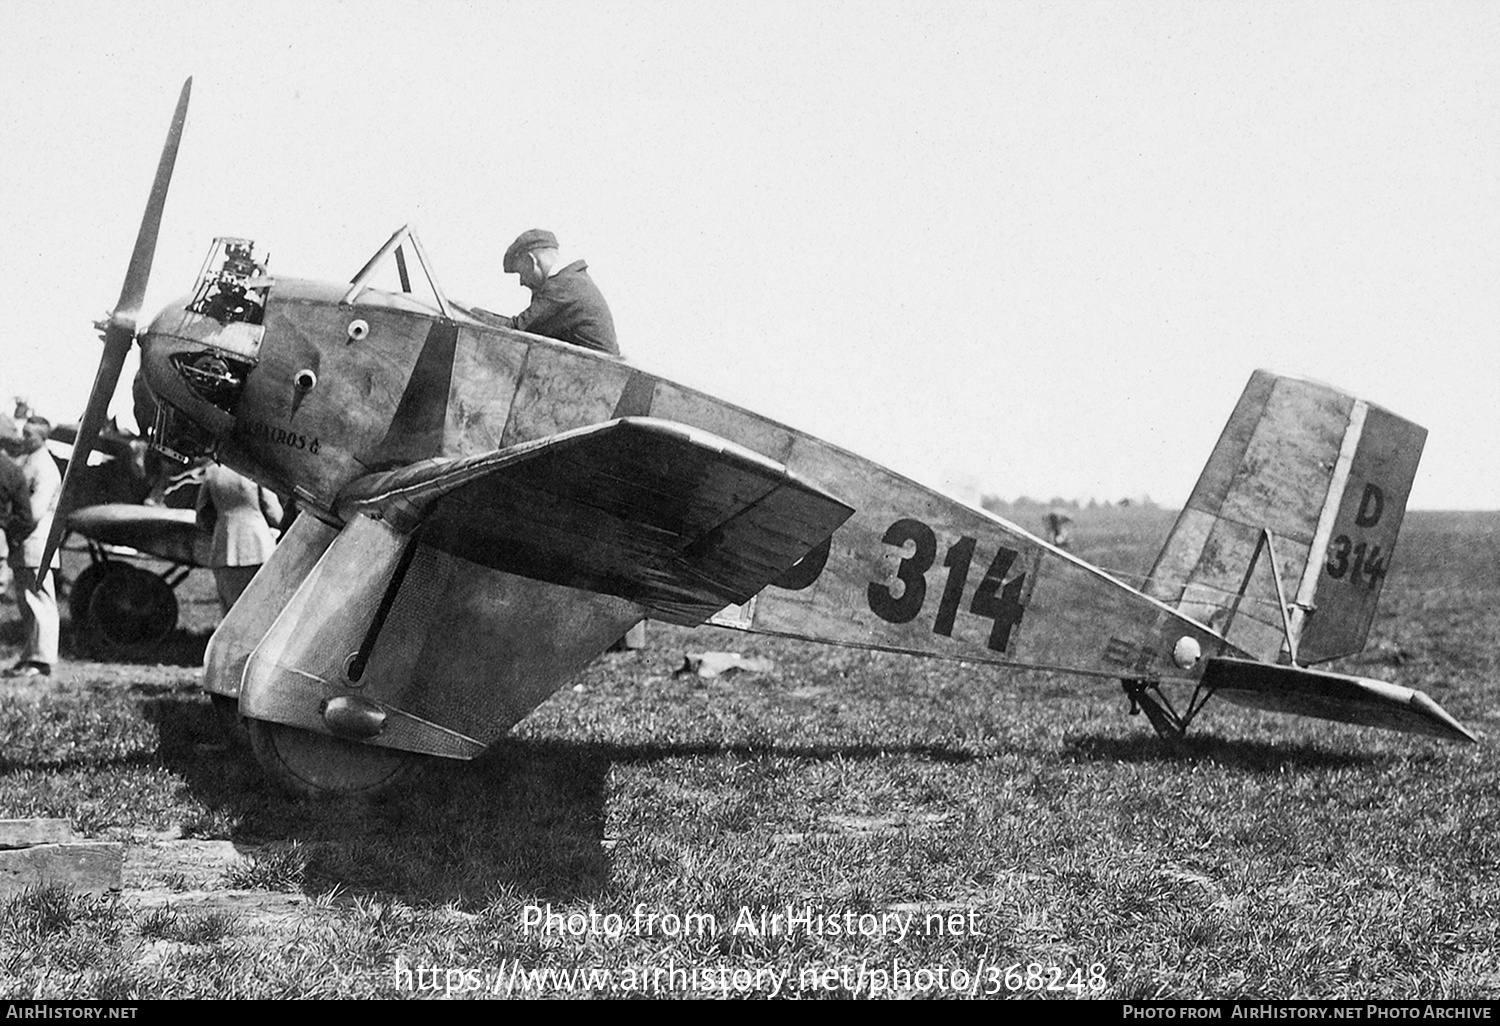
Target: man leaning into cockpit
(565,302)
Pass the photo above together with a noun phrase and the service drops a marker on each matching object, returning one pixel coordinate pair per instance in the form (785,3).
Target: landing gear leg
(227,712)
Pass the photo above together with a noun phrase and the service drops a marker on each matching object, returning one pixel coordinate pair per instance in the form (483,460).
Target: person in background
(1057,528)
(240,513)
(15,500)
(35,585)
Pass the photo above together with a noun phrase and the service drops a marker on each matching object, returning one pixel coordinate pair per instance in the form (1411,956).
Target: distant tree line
(1027,505)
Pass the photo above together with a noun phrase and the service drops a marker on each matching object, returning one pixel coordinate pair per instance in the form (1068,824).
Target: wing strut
(1266,544)
(1147,697)
(1286,619)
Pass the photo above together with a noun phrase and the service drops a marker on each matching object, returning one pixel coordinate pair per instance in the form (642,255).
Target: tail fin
(1327,476)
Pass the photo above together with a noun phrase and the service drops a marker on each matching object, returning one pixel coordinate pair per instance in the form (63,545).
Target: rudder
(1327,476)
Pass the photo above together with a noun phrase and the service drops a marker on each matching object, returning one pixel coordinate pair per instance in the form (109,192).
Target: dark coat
(569,307)
(15,502)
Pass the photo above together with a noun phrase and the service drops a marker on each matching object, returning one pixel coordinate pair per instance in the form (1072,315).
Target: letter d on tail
(1371,505)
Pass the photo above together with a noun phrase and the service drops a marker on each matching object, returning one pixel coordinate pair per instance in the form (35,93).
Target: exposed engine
(232,289)
(232,285)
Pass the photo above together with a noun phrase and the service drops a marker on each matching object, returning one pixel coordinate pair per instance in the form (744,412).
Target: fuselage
(325,391)
(309,387)
(320,387)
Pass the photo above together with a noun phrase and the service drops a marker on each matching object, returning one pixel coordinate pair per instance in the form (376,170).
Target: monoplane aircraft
(487,510)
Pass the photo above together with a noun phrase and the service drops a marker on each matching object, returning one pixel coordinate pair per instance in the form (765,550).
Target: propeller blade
(118,331)
(134,289)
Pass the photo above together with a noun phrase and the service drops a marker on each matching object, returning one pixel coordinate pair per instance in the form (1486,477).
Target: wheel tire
(82,590)
(131,611)
(316,765)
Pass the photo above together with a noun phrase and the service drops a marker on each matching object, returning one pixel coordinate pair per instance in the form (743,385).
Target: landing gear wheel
(131,610)
(82,591)
(319,766)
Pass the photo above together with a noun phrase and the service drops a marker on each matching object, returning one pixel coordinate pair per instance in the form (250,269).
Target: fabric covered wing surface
(665,515)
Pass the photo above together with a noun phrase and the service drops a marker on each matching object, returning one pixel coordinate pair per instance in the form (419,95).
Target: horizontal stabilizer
(664,515)
(1331,696)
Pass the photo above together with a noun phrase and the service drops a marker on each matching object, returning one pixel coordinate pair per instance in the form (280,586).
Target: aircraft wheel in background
(320,766)
(130,610)
(82,590)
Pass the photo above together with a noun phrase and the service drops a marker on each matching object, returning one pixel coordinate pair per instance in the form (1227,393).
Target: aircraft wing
(161,531)
(667,516)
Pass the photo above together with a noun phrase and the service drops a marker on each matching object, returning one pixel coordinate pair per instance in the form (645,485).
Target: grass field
(935,829)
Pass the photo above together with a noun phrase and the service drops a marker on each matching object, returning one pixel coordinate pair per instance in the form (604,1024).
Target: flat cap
(536,238)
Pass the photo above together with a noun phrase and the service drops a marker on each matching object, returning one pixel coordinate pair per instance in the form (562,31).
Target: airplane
(486,510)
(118,606)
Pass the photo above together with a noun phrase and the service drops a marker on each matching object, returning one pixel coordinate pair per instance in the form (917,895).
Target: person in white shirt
(36,586)
(240,514)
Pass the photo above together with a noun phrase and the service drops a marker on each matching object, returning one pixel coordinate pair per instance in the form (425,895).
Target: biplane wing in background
(119,605)
(490,509)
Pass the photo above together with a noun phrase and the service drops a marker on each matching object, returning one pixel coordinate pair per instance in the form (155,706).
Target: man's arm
(479,313)
(544,306)
(45,484)
(270,507)
(205,513)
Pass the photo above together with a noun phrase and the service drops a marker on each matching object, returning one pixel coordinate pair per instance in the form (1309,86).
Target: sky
(1005,248)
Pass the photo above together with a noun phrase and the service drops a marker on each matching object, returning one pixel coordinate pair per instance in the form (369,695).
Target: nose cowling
(195,369)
